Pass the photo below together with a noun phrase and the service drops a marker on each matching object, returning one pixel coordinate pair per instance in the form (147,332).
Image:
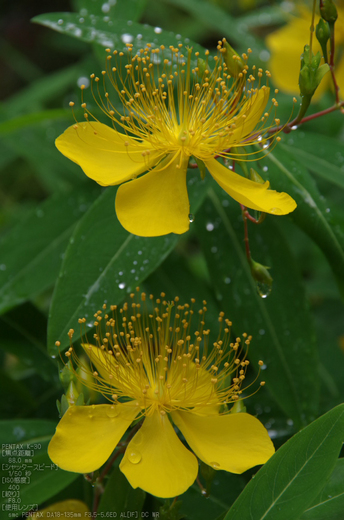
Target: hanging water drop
(263,289)
(191,217)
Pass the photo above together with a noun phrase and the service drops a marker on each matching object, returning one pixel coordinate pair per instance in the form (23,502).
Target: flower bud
(311,74)
(328,11)
(322,32)
(260,273)
(255,177)
(235,64)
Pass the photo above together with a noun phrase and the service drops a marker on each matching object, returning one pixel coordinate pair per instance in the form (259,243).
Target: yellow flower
(163,126)
(287,44)
(150,366)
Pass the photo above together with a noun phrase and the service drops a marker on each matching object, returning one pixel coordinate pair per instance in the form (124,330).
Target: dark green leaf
(23,333)
(32,251)
(283,335)
(311,215)
(103,262)
(329,505)
(289,482)
(212,16)
(120,497)
(319,153)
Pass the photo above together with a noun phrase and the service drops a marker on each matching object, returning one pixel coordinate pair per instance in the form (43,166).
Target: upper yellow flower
(287,44)
(148,366)
(162,127)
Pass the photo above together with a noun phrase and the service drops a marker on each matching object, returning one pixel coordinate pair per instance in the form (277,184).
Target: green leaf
(31,119)
(283,334)
(329,505)
(318,153)
(23,333)
(289,482)
(103,262)
(42,478)
(119,497)
(212,16)
(114,33)
(32,251)
(287,174)
(123,9)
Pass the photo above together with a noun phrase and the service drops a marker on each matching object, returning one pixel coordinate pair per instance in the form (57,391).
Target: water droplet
(134,456)
(53,356)
(328,210)
(2,267)
(225,203)
(290,422)
(204,492)
(265,168)
(261,332)
(83,80)
(263,367)
(60,22)
(127,38)
(158,30)
(210,226)
(266,145)
(259,138)
(39,213)
(191,217)
(263,289)
(227,280)
(139,37)
(139,252)
(215,465)
(81,20)
(213,249)
(106,8)
(294,127)
(112,411)
(275,211)
(264,55)
(121,285)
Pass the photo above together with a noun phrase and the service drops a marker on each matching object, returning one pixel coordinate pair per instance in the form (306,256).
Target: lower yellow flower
(170,112)
(148,366)
(287,44)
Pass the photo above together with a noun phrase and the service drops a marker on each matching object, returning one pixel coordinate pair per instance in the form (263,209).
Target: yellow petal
(252,111)
(113,372)
(249,193)
(157,461)
(105,155)
(233,442)
(87,435)
(157,203)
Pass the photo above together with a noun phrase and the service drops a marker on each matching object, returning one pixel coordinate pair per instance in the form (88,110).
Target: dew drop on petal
(275,211)
(112,411)
(134,456)
(215,465)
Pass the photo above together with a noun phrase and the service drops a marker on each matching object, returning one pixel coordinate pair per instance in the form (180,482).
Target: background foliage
(63,253)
